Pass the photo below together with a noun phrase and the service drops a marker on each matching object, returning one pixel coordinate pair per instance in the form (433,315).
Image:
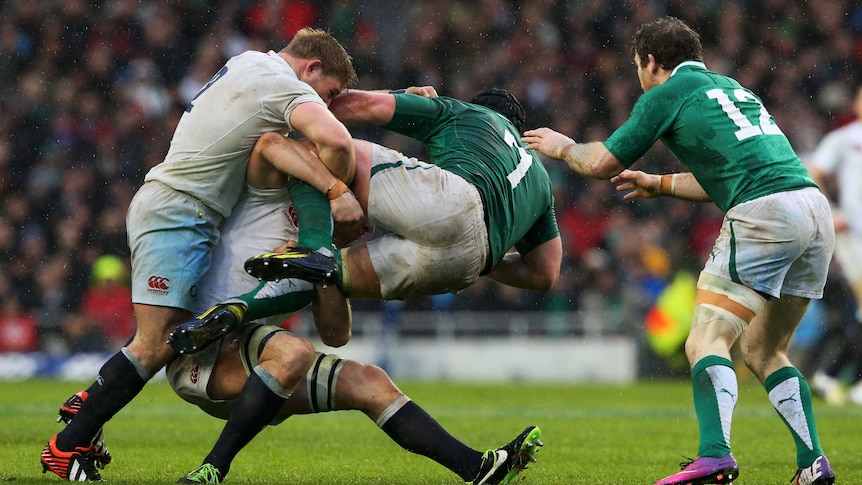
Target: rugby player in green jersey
(447,222)
(771,256)
(452,220)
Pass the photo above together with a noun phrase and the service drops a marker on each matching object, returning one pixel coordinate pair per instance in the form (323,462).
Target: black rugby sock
(118,383)
(255,409)
(416,431)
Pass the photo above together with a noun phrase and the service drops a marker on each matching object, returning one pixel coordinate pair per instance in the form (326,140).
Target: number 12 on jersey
(746,128)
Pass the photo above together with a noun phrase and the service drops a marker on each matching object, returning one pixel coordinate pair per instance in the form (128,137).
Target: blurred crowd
(90,92)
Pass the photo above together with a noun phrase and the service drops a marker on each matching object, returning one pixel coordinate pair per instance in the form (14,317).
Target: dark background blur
(90,93)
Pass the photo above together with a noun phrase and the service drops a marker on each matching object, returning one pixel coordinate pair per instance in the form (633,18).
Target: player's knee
(371,374)
(303,354)
(377,381)
(269,139)
(292,354)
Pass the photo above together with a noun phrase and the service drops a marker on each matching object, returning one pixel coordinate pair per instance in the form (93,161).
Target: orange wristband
(566,150)
(336,190)
(667,184)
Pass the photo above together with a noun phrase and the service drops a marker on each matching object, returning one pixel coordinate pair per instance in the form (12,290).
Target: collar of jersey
(688,63)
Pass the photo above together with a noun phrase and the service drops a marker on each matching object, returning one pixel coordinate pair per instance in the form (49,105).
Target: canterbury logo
(158,284)
(196,374)
(291,215)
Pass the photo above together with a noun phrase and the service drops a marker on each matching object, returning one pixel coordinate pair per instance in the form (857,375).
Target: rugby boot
(195,335)
(819,473)
(704,470)
(77,465)
(502,465)
(300,263)
(68,410)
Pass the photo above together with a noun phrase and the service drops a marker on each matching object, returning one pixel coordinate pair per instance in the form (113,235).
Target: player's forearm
(514,271)
(591,160)
(340,160)
(683,186)
(332,316)
(296,160)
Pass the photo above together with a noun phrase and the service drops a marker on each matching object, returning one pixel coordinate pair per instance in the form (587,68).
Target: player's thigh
(171,237)
(210,379)
(406,269)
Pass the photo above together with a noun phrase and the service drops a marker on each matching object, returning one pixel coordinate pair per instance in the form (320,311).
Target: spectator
(108,300)
(69,103)
(18,329)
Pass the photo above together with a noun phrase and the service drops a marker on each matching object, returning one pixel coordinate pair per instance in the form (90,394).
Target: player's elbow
(336,341)
(336,338)
(548,279)
(547,264)
(603,164)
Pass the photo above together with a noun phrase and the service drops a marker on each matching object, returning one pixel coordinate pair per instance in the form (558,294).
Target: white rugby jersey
(840,153)
(262,220)
(253,93)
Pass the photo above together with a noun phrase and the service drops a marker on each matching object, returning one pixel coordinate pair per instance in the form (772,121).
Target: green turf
(593,434)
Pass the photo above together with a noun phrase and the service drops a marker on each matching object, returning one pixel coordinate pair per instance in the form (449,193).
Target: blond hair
(311,43)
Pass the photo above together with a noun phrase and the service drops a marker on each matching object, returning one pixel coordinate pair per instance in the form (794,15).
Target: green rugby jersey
(482,147)
(719,130)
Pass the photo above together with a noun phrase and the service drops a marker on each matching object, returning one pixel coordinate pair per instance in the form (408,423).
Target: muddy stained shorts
(436,240)
(171,237)
(777,244)
(189,374)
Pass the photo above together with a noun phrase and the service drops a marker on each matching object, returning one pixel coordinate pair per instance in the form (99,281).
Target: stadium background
(90,92)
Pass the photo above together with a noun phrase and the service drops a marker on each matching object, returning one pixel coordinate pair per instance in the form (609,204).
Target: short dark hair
(669,39)
(503,102)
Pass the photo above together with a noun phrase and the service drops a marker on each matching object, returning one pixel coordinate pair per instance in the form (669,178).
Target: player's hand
(343,236)
(637,184)
(547,141)
(347,211)
(283,247)
(424,91)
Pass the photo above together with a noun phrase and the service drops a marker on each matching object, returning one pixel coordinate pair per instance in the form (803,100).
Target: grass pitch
(593,434)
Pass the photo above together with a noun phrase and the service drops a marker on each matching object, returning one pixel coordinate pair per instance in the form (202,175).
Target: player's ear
(314,65)
(652,64)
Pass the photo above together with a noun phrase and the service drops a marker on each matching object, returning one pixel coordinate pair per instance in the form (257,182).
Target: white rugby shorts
(777,244)
(437,240)
(171,237)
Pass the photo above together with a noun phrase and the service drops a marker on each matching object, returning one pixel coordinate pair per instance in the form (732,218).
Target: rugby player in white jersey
(215,378)
(173,219)
(837,163)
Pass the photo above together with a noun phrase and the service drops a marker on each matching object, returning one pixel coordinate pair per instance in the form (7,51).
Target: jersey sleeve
(284,97)
(651,116)
(416,116)
(543,230)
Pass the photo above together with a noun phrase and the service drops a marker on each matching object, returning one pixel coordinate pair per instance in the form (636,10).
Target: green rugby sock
(313,215)
(715,391)
(791,397)
(274,298)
